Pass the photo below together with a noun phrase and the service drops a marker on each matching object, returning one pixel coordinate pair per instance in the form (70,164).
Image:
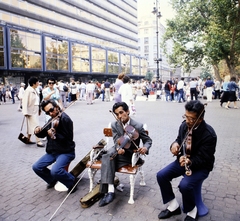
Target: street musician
(60,148)
(194,149)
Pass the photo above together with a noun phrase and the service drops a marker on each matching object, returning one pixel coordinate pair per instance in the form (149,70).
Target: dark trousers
(193,92)
(109,167)
(186,185)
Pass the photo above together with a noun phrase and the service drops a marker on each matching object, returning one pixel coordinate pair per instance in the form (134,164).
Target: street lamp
(158,16)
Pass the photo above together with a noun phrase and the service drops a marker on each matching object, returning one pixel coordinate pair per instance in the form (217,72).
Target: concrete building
(84,39)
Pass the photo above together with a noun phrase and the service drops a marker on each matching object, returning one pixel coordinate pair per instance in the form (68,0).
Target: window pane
(1,58)
(1,37)
(18,59)
(98,60)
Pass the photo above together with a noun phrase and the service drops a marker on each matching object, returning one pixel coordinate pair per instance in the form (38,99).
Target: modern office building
(84,39)
(147,26)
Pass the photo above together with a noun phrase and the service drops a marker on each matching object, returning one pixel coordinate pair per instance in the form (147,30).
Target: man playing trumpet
(193,163)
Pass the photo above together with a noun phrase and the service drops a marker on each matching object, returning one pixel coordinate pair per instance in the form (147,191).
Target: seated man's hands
(184,160)
(121,151)
(142,150)
(37,130)
(175,148)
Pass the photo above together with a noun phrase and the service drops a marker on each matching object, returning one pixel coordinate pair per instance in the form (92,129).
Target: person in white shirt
(180,87)
(82,90)
(90,87)
(20,96)
(126,94)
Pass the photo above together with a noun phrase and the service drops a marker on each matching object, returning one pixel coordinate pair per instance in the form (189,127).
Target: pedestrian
(60,148)
(217,87)
(225,91)
(63,90)
(117,85)
(123,156)
(31,109)
(232,89)
(126,94)
(209,85)
(107,90)
(180,87)
(90,88)
(2,94)
(194,149)
(193,84)
(20,95)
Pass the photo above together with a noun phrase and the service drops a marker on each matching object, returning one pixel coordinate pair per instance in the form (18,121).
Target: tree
(204,33)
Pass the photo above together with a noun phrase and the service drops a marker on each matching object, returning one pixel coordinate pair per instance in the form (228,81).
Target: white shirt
(126,93)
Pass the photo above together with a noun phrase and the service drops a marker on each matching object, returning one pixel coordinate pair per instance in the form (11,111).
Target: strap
(22,123)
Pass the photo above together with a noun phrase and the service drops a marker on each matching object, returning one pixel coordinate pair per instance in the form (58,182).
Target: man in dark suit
(123,155)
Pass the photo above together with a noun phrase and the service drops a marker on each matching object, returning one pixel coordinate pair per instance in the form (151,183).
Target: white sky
(146,7)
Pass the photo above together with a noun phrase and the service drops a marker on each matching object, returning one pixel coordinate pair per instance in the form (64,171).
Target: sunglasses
(49,111)
(51,83)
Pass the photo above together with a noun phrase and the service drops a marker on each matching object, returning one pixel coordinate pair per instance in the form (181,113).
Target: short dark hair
(126,79)
(32,81)
(195,106)
(120,104)
(51,79)
(50,101)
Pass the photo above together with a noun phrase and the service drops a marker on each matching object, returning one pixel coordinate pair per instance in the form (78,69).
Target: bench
(94,165)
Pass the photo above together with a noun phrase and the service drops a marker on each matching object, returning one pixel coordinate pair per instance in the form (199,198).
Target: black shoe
(221,104)
(73,189)
(40,145)
(189,218)
(51,185)
(108,198)
(166,213)
(30,142)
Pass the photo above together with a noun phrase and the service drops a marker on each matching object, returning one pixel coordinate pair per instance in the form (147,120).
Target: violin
(125,141)
(130,134)
(54,125)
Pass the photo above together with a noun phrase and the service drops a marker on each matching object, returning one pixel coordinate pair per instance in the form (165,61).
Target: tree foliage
(204,33)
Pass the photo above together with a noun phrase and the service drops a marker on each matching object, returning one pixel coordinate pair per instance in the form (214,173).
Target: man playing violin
(194,149)
(60,148)
(124,154)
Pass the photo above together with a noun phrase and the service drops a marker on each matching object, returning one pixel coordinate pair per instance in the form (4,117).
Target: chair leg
(142,178)
(91,175)
(132,183)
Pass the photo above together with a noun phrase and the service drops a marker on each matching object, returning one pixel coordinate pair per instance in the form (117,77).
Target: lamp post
(158,16)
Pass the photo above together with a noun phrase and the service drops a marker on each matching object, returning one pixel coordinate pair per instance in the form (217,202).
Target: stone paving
(23,195)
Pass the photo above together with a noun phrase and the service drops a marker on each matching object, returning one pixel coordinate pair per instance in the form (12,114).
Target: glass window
(1,58)
(113,62)
(56,54)
(1,36)
(25,49)
(80,57)
(125,63)
(98,60)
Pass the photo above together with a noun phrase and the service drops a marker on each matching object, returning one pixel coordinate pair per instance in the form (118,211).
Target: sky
(146,7)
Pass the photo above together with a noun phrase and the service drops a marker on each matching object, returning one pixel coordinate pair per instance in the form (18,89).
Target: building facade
(81,39)
(148,45)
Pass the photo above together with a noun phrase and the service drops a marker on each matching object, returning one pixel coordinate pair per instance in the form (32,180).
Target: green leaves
(203,31)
